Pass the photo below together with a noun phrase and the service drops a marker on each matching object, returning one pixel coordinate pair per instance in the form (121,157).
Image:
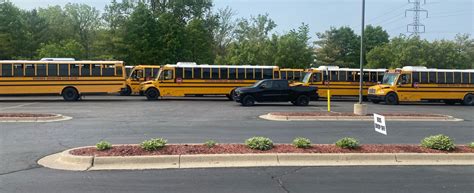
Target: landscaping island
(32,117)
(349,116)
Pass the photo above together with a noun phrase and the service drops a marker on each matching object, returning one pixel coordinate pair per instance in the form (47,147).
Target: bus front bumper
(373,97)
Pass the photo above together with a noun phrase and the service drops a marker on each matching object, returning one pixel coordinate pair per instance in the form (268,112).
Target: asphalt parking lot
(132,119)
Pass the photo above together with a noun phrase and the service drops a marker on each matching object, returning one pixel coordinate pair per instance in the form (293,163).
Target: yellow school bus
(71,79)
(292,74)
(183,79)
(418,83)
(137,75)
(342,82)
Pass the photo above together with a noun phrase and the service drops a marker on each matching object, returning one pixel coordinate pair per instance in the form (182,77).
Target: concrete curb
(65,161)
(56,117)
(271,117)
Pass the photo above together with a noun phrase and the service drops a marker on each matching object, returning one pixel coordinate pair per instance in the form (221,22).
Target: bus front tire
(391,99)
(468,100)
(302,100)
(152,94)
(248,101)
(230,96)
(126,92)
(70,94)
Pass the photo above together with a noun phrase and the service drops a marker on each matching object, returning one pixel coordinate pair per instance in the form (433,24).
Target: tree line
(168,31)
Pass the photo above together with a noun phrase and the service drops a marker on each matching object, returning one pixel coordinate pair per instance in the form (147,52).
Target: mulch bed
(35,115)
(135,150)
(399,114)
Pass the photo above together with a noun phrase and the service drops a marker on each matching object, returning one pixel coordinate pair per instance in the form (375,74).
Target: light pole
(359,108)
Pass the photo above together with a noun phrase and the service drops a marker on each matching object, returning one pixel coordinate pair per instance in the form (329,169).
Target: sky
(446,18)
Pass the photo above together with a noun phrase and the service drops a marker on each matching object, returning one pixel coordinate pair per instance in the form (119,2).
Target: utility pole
(359,108)
(416,27)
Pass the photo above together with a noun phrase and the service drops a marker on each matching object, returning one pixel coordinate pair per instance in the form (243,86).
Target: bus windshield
(306,78)
(389,78)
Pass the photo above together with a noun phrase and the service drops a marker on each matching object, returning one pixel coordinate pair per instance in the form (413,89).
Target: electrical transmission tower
(416,27)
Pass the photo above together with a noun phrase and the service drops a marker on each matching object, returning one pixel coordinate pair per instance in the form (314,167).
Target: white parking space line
(18,106)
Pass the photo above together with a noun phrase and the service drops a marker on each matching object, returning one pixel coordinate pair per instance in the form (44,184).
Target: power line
(414,27)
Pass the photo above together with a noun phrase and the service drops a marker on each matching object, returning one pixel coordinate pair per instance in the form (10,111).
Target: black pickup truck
(275,91)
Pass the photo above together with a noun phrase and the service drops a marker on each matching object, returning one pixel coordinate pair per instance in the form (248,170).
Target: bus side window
(432,77)
(197,73)
(148,73)
(74,70)
(215,73)
(416,77)
(350,76)
(258,74)
(63,69)
(334,76)
(224,72)
(52,70)
(267,73)
(41,70)
(188,73)
(86,70)
(168,74)
(108,70)
(379,76)
(232,72)
(18,70)
(206,73)
(472,77)
(366,77)
(179,73)
(441,78)
(424,77)
(276,74)
(7,70)
(449,77)
(155,72)
(118,70)
(96,70)
(457,77)
(465,77)
(373,76)
(404,79)
(29,70)
(316,77)
(342,76)
(249,74)
(240,73)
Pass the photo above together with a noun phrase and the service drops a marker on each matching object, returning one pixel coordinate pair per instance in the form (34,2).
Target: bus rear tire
(468,100)
(70,94)
(248,101)
(152,94)
(391,99)
(126,92)
(230,96)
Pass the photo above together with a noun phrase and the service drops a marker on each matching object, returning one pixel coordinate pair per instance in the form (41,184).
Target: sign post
(379,124)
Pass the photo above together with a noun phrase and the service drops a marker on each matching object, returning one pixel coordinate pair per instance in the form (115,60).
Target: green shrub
(347,143)
(153,144)
(260,143)
(103,145)
(210,143)
(471,145)
(439,142)
(301,142)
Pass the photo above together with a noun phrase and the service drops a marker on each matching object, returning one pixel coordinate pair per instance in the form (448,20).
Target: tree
(141,38)
(374,36)
(200,42)
(293,50)
(12,31)
(252,45)
(59,24)
(223,33)
(85,21)
(65,49)
(338,46)
(36,30)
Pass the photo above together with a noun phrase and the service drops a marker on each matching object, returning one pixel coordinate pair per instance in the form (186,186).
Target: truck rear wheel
(302,100)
